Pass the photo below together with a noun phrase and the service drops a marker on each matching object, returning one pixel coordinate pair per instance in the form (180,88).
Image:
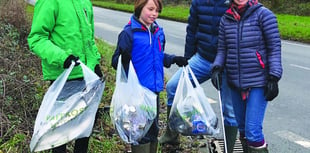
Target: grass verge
(295,28)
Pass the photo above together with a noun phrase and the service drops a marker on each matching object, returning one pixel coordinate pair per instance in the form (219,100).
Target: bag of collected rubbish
(133,107)
(191,112)
(68,110)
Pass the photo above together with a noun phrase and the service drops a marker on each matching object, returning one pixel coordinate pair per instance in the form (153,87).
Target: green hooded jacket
(61,28)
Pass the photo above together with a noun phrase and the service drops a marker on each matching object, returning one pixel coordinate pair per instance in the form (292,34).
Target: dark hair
(139,4)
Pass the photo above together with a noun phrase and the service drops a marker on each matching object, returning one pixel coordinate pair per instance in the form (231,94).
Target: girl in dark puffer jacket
(250,50)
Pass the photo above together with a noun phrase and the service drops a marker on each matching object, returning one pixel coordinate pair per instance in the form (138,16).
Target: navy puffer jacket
(250,48)
(202,29)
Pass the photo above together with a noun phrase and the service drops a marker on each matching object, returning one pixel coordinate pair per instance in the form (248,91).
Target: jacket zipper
(262,64)
(86,19)
(238,46)
(241,22)
(151,38)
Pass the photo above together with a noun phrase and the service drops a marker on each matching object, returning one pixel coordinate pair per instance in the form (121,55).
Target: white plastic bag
(191,112)
(68,110)
(133,107)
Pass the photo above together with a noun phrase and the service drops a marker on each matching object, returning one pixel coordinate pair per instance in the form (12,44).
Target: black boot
(153,147)
(141,148)
(231,134)
(169,137)
(244,144)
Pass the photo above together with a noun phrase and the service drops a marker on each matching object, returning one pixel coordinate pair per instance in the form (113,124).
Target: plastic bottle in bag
(199,126)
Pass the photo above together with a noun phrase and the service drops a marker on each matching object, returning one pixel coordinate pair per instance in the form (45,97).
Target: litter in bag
(133,107)
(191,112)
(68,110)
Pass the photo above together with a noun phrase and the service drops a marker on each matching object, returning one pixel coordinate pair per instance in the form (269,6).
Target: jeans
(250,114)
(202,70)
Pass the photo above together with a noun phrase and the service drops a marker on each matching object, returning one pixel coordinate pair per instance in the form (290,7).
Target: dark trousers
(152,134)
(81,146)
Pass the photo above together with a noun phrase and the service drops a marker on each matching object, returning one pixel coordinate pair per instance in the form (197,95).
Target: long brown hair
(139,4)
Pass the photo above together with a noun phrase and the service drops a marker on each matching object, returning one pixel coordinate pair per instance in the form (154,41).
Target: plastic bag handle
(88,74)
(120,69)
(188,69)
(131,77)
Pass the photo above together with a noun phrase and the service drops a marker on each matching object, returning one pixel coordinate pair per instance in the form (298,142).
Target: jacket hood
(247,13)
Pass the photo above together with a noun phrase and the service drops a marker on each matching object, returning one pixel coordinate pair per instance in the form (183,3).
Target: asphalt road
(286,119)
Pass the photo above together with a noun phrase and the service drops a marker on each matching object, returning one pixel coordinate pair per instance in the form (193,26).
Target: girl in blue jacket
(143,42)
(250,50)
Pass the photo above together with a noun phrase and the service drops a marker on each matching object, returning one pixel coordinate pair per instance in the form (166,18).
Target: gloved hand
(180,60)
(271,88)
(69,59)
(126,57)
(216,78)
(98,71)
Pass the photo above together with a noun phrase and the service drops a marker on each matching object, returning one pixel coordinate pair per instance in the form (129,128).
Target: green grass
(169,12)
(106,50)
(291,27)
(30,9)
(114,6)
(294,27)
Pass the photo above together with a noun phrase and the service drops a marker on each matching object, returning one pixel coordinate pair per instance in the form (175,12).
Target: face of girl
(149,13)
(241,2)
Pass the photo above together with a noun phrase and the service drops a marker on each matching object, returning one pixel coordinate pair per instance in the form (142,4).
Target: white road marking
(304,142)
(302,67)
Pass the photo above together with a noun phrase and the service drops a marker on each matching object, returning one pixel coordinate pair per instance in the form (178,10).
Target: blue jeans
(202,70)
(250,114)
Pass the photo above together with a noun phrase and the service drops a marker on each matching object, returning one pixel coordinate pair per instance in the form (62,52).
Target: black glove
(98,71)
(217,77)
(271,88)
(180,60)
(69,59)
(126,57)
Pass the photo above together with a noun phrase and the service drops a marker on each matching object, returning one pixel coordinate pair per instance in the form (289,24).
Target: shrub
(13,12)
(21,86)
